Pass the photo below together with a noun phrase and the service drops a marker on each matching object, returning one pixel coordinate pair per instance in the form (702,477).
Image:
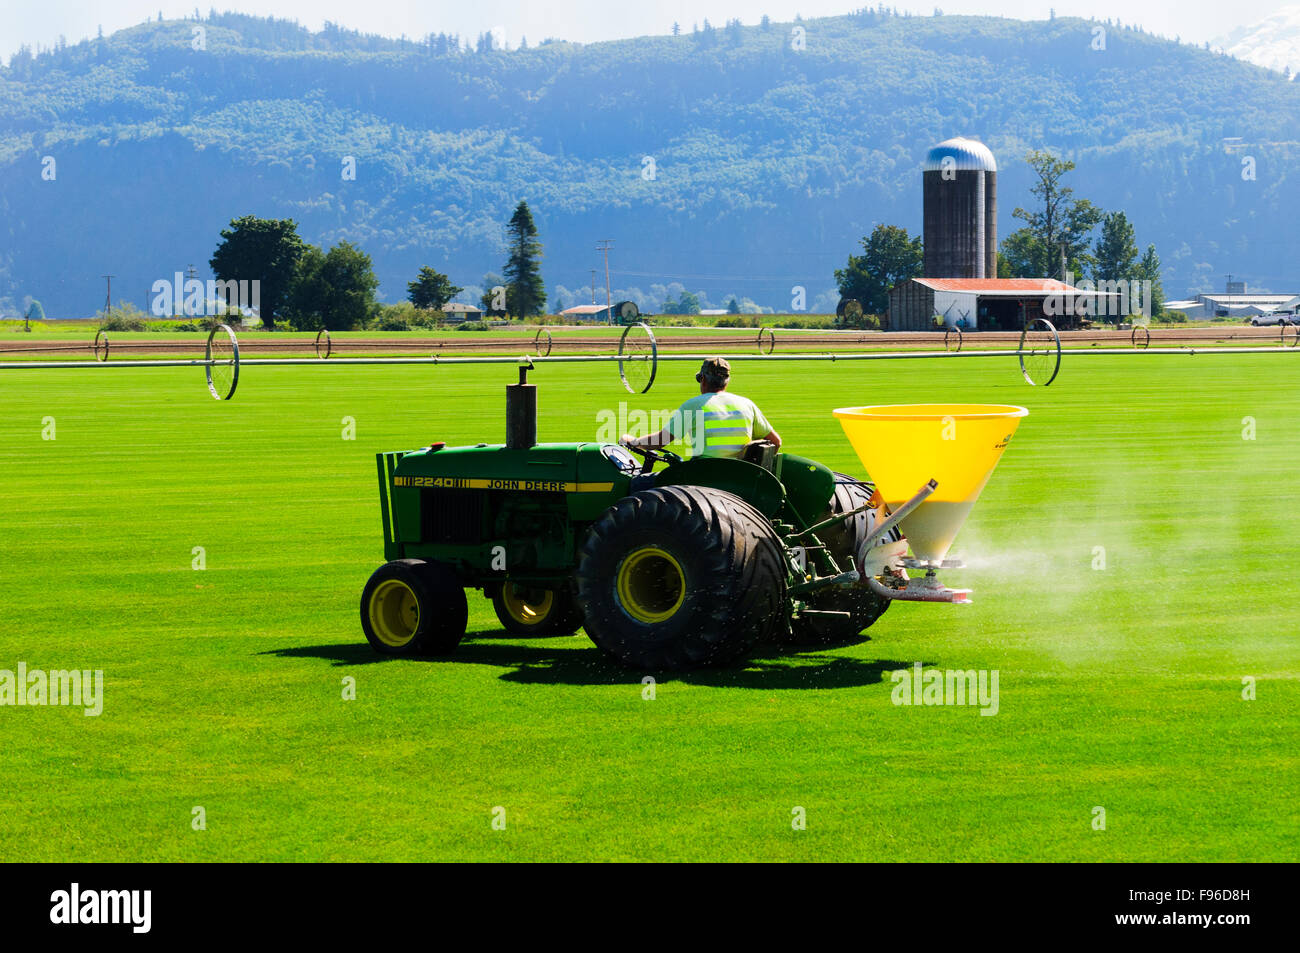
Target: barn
(986,304)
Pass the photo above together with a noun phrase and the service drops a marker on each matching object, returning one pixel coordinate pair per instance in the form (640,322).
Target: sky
(31,23)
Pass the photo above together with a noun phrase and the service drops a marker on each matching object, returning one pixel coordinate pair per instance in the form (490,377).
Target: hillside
(769,162)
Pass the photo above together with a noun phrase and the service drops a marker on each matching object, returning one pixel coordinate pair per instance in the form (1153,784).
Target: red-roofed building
(988,304)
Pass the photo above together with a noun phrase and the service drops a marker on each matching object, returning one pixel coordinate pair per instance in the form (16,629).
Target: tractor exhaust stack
(521,412)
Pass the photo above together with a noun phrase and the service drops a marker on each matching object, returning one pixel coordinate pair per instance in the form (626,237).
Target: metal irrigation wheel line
(1040,352)
(638,358)
(101,346)
(952,339)
(542,343)
(221,362)
(1142,340)
(323,336)
(1295,332)
(766,344)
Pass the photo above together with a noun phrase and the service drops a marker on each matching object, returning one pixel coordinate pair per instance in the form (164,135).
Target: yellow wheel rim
(651,585)
(394,613)
(527,606)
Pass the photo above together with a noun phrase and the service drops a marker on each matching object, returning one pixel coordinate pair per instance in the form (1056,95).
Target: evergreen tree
(1116,252)
(525,292)
(1148,269)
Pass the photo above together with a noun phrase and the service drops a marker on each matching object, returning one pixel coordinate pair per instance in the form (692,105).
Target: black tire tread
(738,577)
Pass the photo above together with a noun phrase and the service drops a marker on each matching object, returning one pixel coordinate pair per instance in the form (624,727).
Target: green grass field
(1120,687)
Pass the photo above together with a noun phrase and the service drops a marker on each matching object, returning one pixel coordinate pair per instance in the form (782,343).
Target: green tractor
(696,563)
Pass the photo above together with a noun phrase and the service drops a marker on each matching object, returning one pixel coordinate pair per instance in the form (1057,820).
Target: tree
(889,256)
(1148,269)
(491,302)
(335,291)
(34,313)
(1115,258)
(1062,221)
(1019,255)
(306,301)
(1116,252)
(733,306)
(525,292)
(261,250)
(688,303)
(431,289)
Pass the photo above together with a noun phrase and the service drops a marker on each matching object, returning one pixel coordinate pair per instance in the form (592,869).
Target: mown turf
(1120,687)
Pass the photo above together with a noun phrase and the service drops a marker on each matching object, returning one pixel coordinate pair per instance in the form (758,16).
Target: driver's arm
(652,441)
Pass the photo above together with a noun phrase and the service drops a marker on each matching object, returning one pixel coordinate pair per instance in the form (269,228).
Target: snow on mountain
(1273,42)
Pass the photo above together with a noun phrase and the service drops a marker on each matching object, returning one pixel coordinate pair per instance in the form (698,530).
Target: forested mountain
(737,160)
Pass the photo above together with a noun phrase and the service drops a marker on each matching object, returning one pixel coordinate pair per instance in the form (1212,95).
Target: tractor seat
(762,453)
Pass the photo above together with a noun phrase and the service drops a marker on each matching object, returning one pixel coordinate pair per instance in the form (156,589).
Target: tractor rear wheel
(526,609)
(842,542)
(681,576)
(413,607)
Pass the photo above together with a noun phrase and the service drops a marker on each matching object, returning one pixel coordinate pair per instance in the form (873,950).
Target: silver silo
(960,186)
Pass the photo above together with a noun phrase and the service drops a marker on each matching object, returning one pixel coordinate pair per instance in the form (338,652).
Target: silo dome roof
(969,155)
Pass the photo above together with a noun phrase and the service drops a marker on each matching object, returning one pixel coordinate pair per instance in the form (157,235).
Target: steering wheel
(653,456)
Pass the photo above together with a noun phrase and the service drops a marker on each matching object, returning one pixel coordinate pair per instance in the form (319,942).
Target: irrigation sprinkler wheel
(766,344)
(1142,340)
(323,340)
(1294,327)
(1039,352)
(221,362)
(542,343)
(531,610)
(952,339)
(681,576)
(638,358)
(413,607)
(843,541)
(101,346)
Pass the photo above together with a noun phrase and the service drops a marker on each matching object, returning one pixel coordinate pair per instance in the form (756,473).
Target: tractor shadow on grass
(574,660)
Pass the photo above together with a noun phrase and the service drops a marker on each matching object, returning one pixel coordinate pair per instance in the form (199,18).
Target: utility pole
(1227,289)
(190,274)
(604,245)
(108,298)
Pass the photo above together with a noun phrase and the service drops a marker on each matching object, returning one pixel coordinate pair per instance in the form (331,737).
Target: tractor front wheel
(527,609)
(413,607)
(681,576)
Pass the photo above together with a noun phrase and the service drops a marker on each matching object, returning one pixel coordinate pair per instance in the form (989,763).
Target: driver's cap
(716,370)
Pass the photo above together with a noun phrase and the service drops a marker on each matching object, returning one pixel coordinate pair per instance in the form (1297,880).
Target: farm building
(1236,305)
(587,312)
(456,312)
(986,304)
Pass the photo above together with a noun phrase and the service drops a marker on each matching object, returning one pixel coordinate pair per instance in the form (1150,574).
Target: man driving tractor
(720,424)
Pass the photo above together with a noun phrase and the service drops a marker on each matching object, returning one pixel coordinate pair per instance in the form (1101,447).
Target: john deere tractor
(695,563)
